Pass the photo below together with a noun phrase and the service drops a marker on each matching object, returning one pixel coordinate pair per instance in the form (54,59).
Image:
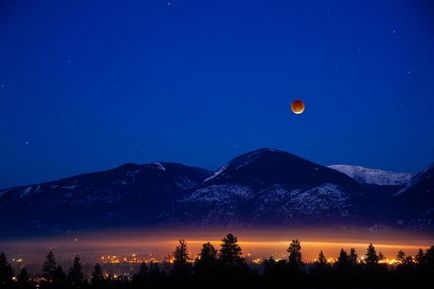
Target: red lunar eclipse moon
(297,106)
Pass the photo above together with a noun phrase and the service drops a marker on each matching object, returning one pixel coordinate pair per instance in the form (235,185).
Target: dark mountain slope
(416,200)
(128,195)
(265,187)
(271,187)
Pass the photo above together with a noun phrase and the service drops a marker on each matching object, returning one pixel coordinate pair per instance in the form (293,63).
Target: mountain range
(263,188)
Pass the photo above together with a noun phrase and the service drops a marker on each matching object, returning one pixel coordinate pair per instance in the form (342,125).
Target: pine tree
(75,276)
(6,272)
(206,263)
(381,257)
(343,259)
(320,272)
(23,279)
(181,254)
(154,270)
(371,256)
(59,277)
(353,256)
(294,250)
(155,273)
(420,257)
(230,251)
(49,266)
(429,257)
(97,278)
(143,269)
(140,278)
(321,258)
(269,267)
(208,254)
(181,268)
(400,257)
(409,260)
(207,258)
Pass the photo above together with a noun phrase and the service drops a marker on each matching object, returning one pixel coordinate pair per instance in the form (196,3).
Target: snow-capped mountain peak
(373,176)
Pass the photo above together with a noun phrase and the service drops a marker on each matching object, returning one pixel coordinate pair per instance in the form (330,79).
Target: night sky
(90,85)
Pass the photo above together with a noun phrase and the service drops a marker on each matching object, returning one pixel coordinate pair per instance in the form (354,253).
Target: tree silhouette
(141,277)
(6,272)
(75,275)
(345,269)
(381,256)
(321,258)
(294,250)
(59,278)
(181,267)
(156,276)
(206,263)
(181,254)
(405,275)
(371,256)
(420,257)
(343,259)
(275,272)
(429,257)
(228,269)
(23,280)
(374,274)
(230,251)
(320,273)
(295,264)
(353,256)
(49,266)
(400,257)
(231,264)
(97,277)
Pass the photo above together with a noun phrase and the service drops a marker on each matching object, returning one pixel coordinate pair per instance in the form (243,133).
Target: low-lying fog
(126,245)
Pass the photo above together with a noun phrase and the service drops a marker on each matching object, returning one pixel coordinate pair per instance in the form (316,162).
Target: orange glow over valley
(156,245)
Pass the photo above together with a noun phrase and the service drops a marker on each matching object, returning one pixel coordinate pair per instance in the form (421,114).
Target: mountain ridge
(261,187)
(373,176)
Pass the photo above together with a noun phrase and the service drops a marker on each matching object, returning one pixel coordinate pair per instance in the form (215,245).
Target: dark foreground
(226,268)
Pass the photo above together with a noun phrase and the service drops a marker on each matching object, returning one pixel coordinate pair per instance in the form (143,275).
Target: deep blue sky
(89,85)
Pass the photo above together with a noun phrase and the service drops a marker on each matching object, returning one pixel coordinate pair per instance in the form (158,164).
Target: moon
(297,106)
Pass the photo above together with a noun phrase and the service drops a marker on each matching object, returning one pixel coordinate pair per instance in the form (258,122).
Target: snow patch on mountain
(246,159)
(26,191)
(295,206)
(239,162)
(4,192)
(425,220)
(373,176)
(71,187)
(132,175)
(219,193)
(327,197)
(159,166)
(216,173)
(38,188)
(185,183)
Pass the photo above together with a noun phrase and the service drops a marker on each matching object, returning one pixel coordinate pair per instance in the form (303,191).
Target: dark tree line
(227,268)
